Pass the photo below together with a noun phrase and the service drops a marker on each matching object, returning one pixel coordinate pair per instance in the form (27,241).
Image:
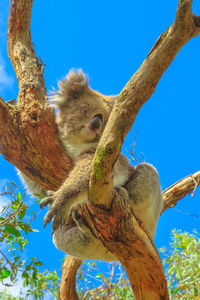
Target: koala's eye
(96,122)
(84,111)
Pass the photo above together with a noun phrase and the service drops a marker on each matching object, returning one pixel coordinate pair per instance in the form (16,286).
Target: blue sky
(109,40)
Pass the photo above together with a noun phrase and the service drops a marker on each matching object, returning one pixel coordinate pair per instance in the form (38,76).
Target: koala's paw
(55,210)
(48,217)
(123,192)
(47,200)
(59,212)
(81,223)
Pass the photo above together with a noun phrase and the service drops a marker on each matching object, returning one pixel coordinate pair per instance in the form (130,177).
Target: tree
(182,265)
(31,117)
(15,221)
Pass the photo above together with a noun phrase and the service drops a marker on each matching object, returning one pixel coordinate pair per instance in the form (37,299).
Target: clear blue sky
(109,40)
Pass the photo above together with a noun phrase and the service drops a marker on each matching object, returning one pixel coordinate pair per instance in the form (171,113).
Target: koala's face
(82,112)
(82,120)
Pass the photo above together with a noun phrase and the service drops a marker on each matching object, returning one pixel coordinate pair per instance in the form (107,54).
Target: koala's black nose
(96,122)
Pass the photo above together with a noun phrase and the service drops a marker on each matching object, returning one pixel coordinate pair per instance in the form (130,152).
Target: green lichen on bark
(98,163)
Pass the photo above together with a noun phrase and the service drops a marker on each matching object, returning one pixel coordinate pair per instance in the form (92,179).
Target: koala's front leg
(73,191)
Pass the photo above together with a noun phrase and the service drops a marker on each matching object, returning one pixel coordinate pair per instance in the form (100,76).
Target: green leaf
(5,274)
(21,214)
(19,196)
(26,227)
(25,275)
(14,184)
(13,230)
(28,267)
(37,263)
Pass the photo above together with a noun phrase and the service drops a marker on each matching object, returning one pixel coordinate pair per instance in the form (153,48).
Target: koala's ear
(74,85)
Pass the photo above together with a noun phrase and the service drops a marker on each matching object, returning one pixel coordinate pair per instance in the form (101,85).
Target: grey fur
(77,106)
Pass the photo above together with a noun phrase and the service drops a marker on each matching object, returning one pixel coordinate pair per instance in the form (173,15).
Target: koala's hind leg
(72,241)
(81,224)
(145,196)
(79,241)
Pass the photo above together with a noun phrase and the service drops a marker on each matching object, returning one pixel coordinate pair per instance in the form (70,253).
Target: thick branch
(28,134)
(8,135)
(4,114)
(124,236)
(180,189)
(136,92)
(68,279)
(28,139)
(22,55)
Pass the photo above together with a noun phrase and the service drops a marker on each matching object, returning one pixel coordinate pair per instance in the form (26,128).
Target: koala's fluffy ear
(74,85)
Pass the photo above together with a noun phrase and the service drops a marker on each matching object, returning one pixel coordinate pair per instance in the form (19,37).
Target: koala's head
(82,112)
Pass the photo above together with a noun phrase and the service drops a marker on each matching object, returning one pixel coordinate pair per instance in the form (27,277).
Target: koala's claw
(48,217)
(49,199)
(45,201)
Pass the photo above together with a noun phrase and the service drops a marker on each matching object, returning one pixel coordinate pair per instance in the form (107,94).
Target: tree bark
(180,189)
(28,134)
(29,140)
(68,279)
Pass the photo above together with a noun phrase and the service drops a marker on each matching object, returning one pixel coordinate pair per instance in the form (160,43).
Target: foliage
(182,266)
(112,285)
(14,225)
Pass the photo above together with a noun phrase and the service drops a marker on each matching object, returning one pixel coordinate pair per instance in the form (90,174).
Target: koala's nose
(96,122)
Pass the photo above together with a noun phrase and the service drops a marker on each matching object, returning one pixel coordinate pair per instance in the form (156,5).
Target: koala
(81,119)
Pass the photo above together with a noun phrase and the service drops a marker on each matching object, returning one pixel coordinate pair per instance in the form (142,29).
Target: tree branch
(180,189)
(22,55)
(28,133)
(136,92)
(24,136)
(68,279)
(7,130)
